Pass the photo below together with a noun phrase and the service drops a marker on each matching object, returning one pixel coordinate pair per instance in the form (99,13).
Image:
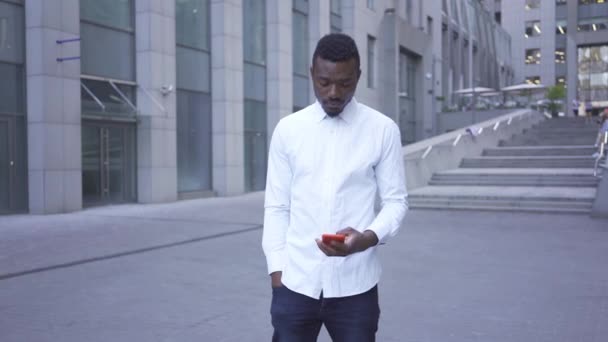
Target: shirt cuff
(275,261)
(381,234)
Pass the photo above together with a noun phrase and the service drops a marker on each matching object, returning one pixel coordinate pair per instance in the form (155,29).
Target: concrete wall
(600,205)
(449,121)
(156,131)
(446,153)
(53,107)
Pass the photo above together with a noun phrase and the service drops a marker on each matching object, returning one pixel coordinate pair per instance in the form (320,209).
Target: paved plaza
(194,271)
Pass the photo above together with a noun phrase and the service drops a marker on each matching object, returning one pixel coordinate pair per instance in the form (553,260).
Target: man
(326,165)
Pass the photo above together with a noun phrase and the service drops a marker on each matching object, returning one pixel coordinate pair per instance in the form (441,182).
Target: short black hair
(336,47)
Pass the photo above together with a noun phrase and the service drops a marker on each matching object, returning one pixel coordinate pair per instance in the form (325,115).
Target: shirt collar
(348,114)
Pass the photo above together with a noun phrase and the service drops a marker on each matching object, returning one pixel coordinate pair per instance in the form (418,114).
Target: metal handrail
(471,131)
(600,154)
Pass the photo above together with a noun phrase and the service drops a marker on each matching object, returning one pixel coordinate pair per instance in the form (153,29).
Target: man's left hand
(354,242)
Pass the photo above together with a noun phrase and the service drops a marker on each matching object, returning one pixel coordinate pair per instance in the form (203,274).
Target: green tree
(554,94)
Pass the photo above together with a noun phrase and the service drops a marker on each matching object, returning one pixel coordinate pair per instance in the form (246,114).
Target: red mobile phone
(327,238)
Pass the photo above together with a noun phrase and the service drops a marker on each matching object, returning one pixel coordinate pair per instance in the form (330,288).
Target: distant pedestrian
(601,134)
(588,111)
(326,165)
(581,109)
(574,107)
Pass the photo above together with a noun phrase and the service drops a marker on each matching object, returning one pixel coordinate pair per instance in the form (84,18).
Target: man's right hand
(275,279)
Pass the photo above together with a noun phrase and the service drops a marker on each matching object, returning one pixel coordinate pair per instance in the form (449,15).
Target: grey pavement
(194,271)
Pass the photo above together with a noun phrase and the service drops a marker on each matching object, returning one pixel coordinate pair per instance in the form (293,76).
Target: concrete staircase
(548,168)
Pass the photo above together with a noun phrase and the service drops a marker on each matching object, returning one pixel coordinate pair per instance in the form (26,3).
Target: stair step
(475,202)
(581,211)
(540,151)
(493,182)
(529,162)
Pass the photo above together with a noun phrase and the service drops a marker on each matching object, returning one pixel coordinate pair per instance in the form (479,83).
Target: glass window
(255,145)
(255,82)
(533,79)
(301,56)
(532,56)
(561,80)
(408,11)
(561,2)
(371,47)
(370,4)
(107,46)
(300,44)
(560,55)
(12,88)
(585,2)
(593,73)
(335,19)
(254,31)
(193,69)
(593,24)
(107,53)
(101,98)
(193,141)
(561,27)
(532,29)
(112,13)
(192,23)
(531,4)
(300,92)
(12,33)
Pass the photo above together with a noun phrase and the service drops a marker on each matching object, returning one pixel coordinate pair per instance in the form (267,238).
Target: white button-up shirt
(324,175)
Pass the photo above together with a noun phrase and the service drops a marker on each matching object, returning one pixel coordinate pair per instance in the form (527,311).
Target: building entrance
(108,163)
(13,169)
(6,159)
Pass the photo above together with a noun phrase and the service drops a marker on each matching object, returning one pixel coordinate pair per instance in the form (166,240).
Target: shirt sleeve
(277,202)
(390,178)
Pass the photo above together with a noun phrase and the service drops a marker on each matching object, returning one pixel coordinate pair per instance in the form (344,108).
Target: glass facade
(255,127)
(193,141)
(13,139)
(108,102)
(301,57)
(194,119)
(107,43)
(593,73)
(407,98)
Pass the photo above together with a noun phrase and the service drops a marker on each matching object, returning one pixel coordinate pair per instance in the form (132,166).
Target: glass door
(108,163)
(5,165)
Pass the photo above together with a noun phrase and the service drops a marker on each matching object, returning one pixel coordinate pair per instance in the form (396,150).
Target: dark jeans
(298,318)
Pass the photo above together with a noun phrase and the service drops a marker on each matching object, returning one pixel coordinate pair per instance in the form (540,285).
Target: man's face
(334,83)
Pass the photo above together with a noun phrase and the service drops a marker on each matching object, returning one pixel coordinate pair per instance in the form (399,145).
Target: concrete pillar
(571,55)
(53,107)
(318,26)
(227,96)
(279,67)
(156,132)
(388,69)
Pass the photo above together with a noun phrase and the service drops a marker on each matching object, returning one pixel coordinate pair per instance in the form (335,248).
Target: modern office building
(118,101)
(560,42)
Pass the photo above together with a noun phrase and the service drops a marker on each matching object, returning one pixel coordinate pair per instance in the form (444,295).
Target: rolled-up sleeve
(277,202)
(390,178)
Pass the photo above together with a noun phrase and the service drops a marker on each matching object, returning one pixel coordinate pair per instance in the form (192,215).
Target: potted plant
(555,95)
